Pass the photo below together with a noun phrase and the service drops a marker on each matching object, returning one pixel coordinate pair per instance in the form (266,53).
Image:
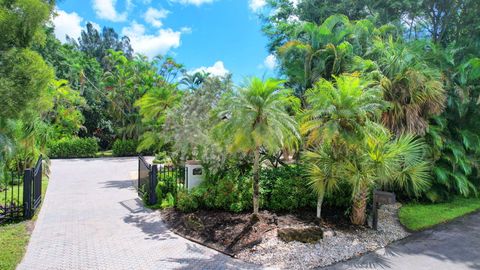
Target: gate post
(27,193)
(152,195)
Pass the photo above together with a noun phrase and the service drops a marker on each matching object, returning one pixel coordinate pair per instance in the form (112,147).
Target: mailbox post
(193,173)
(380,198)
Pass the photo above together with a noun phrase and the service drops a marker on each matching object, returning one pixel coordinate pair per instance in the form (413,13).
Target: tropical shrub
(286,189)
(124,148)
(73,148)
(256,118)
(185,202)
(231,193)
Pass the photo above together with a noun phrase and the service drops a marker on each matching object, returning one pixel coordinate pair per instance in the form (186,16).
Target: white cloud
(218,69)
(153,16)
(186,30)
(151,45)
(256,5)
(96,26)
(194,2)
(105,9)
(67,24)
(270,61)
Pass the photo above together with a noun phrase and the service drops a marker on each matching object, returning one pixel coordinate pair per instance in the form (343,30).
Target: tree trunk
(319,206)
(359,208)
(256,178)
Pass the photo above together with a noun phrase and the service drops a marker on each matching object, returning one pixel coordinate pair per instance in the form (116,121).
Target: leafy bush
(168,201)
(286,189)
(125,148)
(186,202)
(231,193)
(73,148)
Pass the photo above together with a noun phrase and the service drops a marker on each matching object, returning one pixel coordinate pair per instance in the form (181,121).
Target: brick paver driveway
(451,246)
(92,219)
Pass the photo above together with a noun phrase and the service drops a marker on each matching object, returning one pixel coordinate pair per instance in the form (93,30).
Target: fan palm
(414,89)
(255,119)
(385,161)
(322,170)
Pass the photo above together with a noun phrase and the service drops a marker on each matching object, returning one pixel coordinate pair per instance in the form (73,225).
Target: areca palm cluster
(256,119)
(317,51)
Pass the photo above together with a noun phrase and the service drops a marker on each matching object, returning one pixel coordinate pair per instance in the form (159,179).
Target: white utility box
(193,173)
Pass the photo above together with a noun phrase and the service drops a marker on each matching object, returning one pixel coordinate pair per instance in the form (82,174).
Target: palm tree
(333,121)
(337,111)
(414,89)
(194,80)
(256,120)
(385,161)
(317,51)
(322,171)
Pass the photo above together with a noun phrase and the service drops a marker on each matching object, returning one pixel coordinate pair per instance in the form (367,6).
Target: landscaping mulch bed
(288,241)
(227,232)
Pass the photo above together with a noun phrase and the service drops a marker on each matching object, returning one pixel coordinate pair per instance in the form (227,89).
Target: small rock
(328,233)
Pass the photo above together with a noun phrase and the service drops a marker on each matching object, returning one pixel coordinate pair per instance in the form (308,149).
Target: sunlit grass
(14,238)
(417,216)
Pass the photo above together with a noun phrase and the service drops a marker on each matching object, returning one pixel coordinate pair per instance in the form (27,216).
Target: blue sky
(216,35)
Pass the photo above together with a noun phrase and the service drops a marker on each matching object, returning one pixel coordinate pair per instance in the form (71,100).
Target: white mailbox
(194,173)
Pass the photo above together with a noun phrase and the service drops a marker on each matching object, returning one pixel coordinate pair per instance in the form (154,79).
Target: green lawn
(17,193)
(416,216)
(14,239)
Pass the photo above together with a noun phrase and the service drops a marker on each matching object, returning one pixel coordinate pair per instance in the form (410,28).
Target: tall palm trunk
(319,205)
(256,180)
(359,208)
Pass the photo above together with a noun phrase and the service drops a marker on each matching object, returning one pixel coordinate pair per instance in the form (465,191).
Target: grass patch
(108,153)
(14,238)
(15,193)
(417,216)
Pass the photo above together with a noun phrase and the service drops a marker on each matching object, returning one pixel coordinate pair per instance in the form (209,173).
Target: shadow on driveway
(455,245)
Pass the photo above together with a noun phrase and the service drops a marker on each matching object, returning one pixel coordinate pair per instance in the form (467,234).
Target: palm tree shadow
(197,258)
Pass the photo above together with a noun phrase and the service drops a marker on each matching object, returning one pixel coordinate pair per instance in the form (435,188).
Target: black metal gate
(174,178)
(21,193)
(147,180)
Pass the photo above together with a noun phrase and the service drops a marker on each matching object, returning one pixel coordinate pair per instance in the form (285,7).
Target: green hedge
(73,148)
(125,148)
(283,189)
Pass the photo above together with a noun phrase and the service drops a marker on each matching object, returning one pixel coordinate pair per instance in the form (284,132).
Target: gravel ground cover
(260,244)
(337,244)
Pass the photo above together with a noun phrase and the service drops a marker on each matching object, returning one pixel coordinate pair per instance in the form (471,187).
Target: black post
(27,193)
(138,178)
(152,195)
(375,213)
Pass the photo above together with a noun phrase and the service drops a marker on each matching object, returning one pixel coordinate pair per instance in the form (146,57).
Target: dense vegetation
(370,96)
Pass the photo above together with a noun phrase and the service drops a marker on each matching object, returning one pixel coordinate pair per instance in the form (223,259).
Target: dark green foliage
(230,193)
(286,189)
(185,202)
(73,148)
(96,44)
(125,148)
